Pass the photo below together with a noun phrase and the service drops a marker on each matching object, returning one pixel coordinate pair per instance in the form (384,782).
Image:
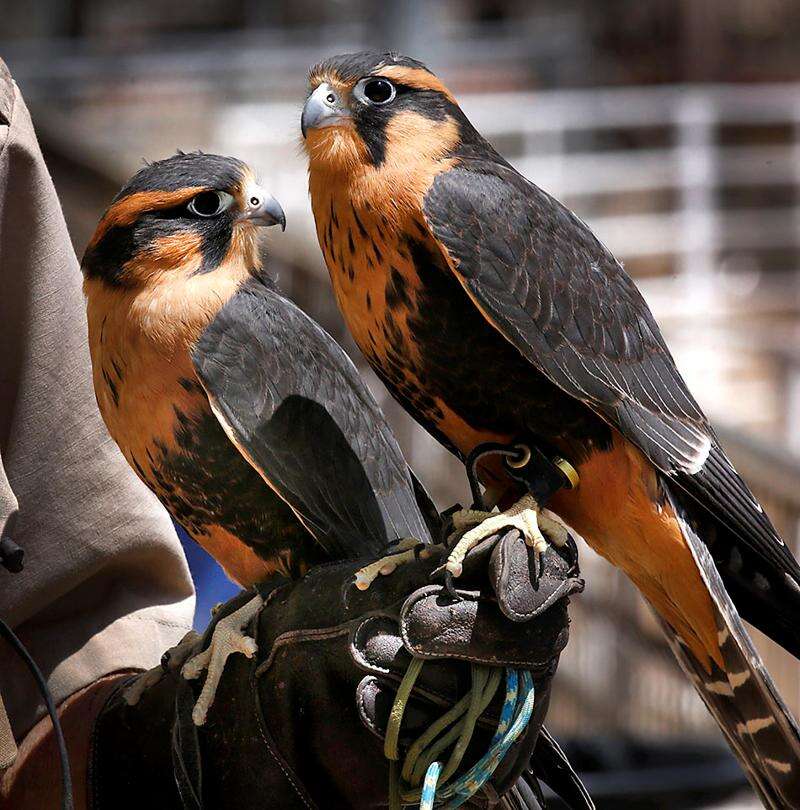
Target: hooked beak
(324,108)
(262,208)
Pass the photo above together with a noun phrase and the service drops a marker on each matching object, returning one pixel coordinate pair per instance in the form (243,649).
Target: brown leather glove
(303,723)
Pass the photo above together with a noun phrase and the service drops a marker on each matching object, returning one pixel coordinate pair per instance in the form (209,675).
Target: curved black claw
(538,565)
(448,582)
(449,586)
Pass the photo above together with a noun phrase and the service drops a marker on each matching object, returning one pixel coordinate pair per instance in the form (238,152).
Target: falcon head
(374,110)
(188,214)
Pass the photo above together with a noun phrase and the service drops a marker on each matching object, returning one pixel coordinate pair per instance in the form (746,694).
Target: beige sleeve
(105,584)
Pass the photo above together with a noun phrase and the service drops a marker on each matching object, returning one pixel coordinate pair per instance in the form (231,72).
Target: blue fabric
(210,581)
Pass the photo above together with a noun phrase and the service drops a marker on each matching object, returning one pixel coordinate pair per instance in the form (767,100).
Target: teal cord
(429,786)
(471,782)
(422,765)
(484,684)
(509,705)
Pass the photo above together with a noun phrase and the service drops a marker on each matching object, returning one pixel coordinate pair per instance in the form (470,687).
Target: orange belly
(616,509)
(238,560)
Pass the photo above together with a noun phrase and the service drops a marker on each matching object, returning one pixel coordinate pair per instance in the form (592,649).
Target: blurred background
(672,127)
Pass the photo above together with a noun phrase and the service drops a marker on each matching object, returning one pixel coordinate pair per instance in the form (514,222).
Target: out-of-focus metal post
(697,223)
(792,406)
(791,415)
(409,26)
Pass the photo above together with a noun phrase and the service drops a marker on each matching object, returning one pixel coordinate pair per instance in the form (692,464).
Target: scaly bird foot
(172,660)
(406,551)
(535,524)
(226,640)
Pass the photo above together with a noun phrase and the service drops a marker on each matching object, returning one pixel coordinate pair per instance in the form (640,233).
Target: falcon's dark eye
(208,203)
(379,91)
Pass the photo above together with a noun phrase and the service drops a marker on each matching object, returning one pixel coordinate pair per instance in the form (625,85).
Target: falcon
(242,415)
(494,315)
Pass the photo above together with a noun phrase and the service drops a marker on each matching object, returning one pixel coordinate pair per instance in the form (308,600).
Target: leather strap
(526,586)
(186,758)
(550,764)
(432,626)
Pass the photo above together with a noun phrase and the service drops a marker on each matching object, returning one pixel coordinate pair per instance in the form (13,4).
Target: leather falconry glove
(344,677)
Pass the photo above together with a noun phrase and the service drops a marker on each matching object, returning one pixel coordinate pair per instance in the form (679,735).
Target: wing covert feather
(296,408)
(548,285)
(554,291)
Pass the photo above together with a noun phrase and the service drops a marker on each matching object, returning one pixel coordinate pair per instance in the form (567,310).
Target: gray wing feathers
(555,293)
(567,305)
(294,405)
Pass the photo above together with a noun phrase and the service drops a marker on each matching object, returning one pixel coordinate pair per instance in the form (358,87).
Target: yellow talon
(226,640)
(524,515)
(389,564)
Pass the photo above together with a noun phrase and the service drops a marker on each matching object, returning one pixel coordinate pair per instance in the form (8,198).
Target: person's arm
(105,585)
(34,781)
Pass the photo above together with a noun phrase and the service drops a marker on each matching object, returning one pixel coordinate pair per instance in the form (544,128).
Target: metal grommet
(525,457)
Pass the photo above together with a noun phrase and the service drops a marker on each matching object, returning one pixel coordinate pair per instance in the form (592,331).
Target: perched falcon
(244,417)
(491,312)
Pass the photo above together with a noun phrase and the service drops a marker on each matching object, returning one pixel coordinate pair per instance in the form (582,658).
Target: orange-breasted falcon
(244,417)
(492,312)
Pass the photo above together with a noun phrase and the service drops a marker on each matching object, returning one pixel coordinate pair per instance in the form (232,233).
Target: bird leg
(405,551)
(226,640)
(536,525)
